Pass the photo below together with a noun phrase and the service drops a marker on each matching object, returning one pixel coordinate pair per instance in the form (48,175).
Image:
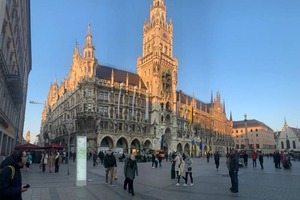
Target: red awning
(27,146)
(54,146)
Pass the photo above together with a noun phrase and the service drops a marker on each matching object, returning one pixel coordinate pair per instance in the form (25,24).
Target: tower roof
(104,72)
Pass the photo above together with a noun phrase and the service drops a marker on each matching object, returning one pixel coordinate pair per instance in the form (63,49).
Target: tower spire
(88,50)
(76,50)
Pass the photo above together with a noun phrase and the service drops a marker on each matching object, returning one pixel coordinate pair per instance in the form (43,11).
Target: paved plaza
(254,184)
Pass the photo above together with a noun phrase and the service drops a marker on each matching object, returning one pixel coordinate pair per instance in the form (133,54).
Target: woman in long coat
(50,162)
(130,170)
(179,168)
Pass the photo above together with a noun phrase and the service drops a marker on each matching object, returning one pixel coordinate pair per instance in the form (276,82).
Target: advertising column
(81,161)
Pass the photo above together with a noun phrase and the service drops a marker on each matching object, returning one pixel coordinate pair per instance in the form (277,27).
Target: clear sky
(248,50)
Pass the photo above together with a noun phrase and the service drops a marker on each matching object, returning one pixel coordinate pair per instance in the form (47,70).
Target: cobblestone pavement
(267,184)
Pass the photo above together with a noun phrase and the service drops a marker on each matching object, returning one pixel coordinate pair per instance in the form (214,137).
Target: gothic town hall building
(136,112)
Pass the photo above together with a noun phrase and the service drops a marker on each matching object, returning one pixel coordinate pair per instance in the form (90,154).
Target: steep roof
(296,131)
(104,72)
(200,105)
(250,123)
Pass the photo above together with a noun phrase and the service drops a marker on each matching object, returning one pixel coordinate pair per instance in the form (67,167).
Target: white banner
(133,100)
(147,106)
(121,85)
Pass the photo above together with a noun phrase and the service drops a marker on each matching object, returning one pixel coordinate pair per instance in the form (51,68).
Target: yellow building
(117,108)
(259,135)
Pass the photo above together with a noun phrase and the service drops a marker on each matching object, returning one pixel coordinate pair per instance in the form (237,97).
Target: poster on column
(81,161)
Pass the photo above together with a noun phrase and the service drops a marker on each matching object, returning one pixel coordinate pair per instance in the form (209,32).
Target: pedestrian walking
(28,160)
(130,170)
(159,159)
(153,160)
(50,162)
(207,157)
(261,160)
(11,187)
(57,161)
(276,158)
(90,155)
(101,157)
(179,168)
(44,161)
(74,156)
(188,170)
(95,158)
(109,164)
(245,157)
(217,159)
(167,156)
(254,157)
(233,170)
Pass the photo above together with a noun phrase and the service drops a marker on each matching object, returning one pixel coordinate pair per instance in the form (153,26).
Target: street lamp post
(69,126)
(246,134)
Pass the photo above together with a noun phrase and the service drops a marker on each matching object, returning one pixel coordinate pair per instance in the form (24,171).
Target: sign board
(81,159)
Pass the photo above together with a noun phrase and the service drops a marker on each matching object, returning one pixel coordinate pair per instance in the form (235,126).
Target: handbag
(189,168)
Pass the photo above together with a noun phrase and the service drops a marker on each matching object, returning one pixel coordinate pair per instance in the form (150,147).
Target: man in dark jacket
(11,187)
(109,164)
(101,157)
(217,159)
(233,170)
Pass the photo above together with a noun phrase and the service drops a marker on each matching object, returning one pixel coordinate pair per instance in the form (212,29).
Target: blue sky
(248,50)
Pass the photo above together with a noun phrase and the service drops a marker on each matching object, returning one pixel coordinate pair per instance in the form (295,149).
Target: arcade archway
(135,146)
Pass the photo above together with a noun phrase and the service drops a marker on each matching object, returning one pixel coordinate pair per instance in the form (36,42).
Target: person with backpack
(11,187)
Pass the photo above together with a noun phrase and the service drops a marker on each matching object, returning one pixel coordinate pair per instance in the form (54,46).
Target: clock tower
(158,69)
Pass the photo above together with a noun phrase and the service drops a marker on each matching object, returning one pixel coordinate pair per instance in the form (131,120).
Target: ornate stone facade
(15,65)
(142,111)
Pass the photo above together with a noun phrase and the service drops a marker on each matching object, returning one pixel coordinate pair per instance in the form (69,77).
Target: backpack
(12,171)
